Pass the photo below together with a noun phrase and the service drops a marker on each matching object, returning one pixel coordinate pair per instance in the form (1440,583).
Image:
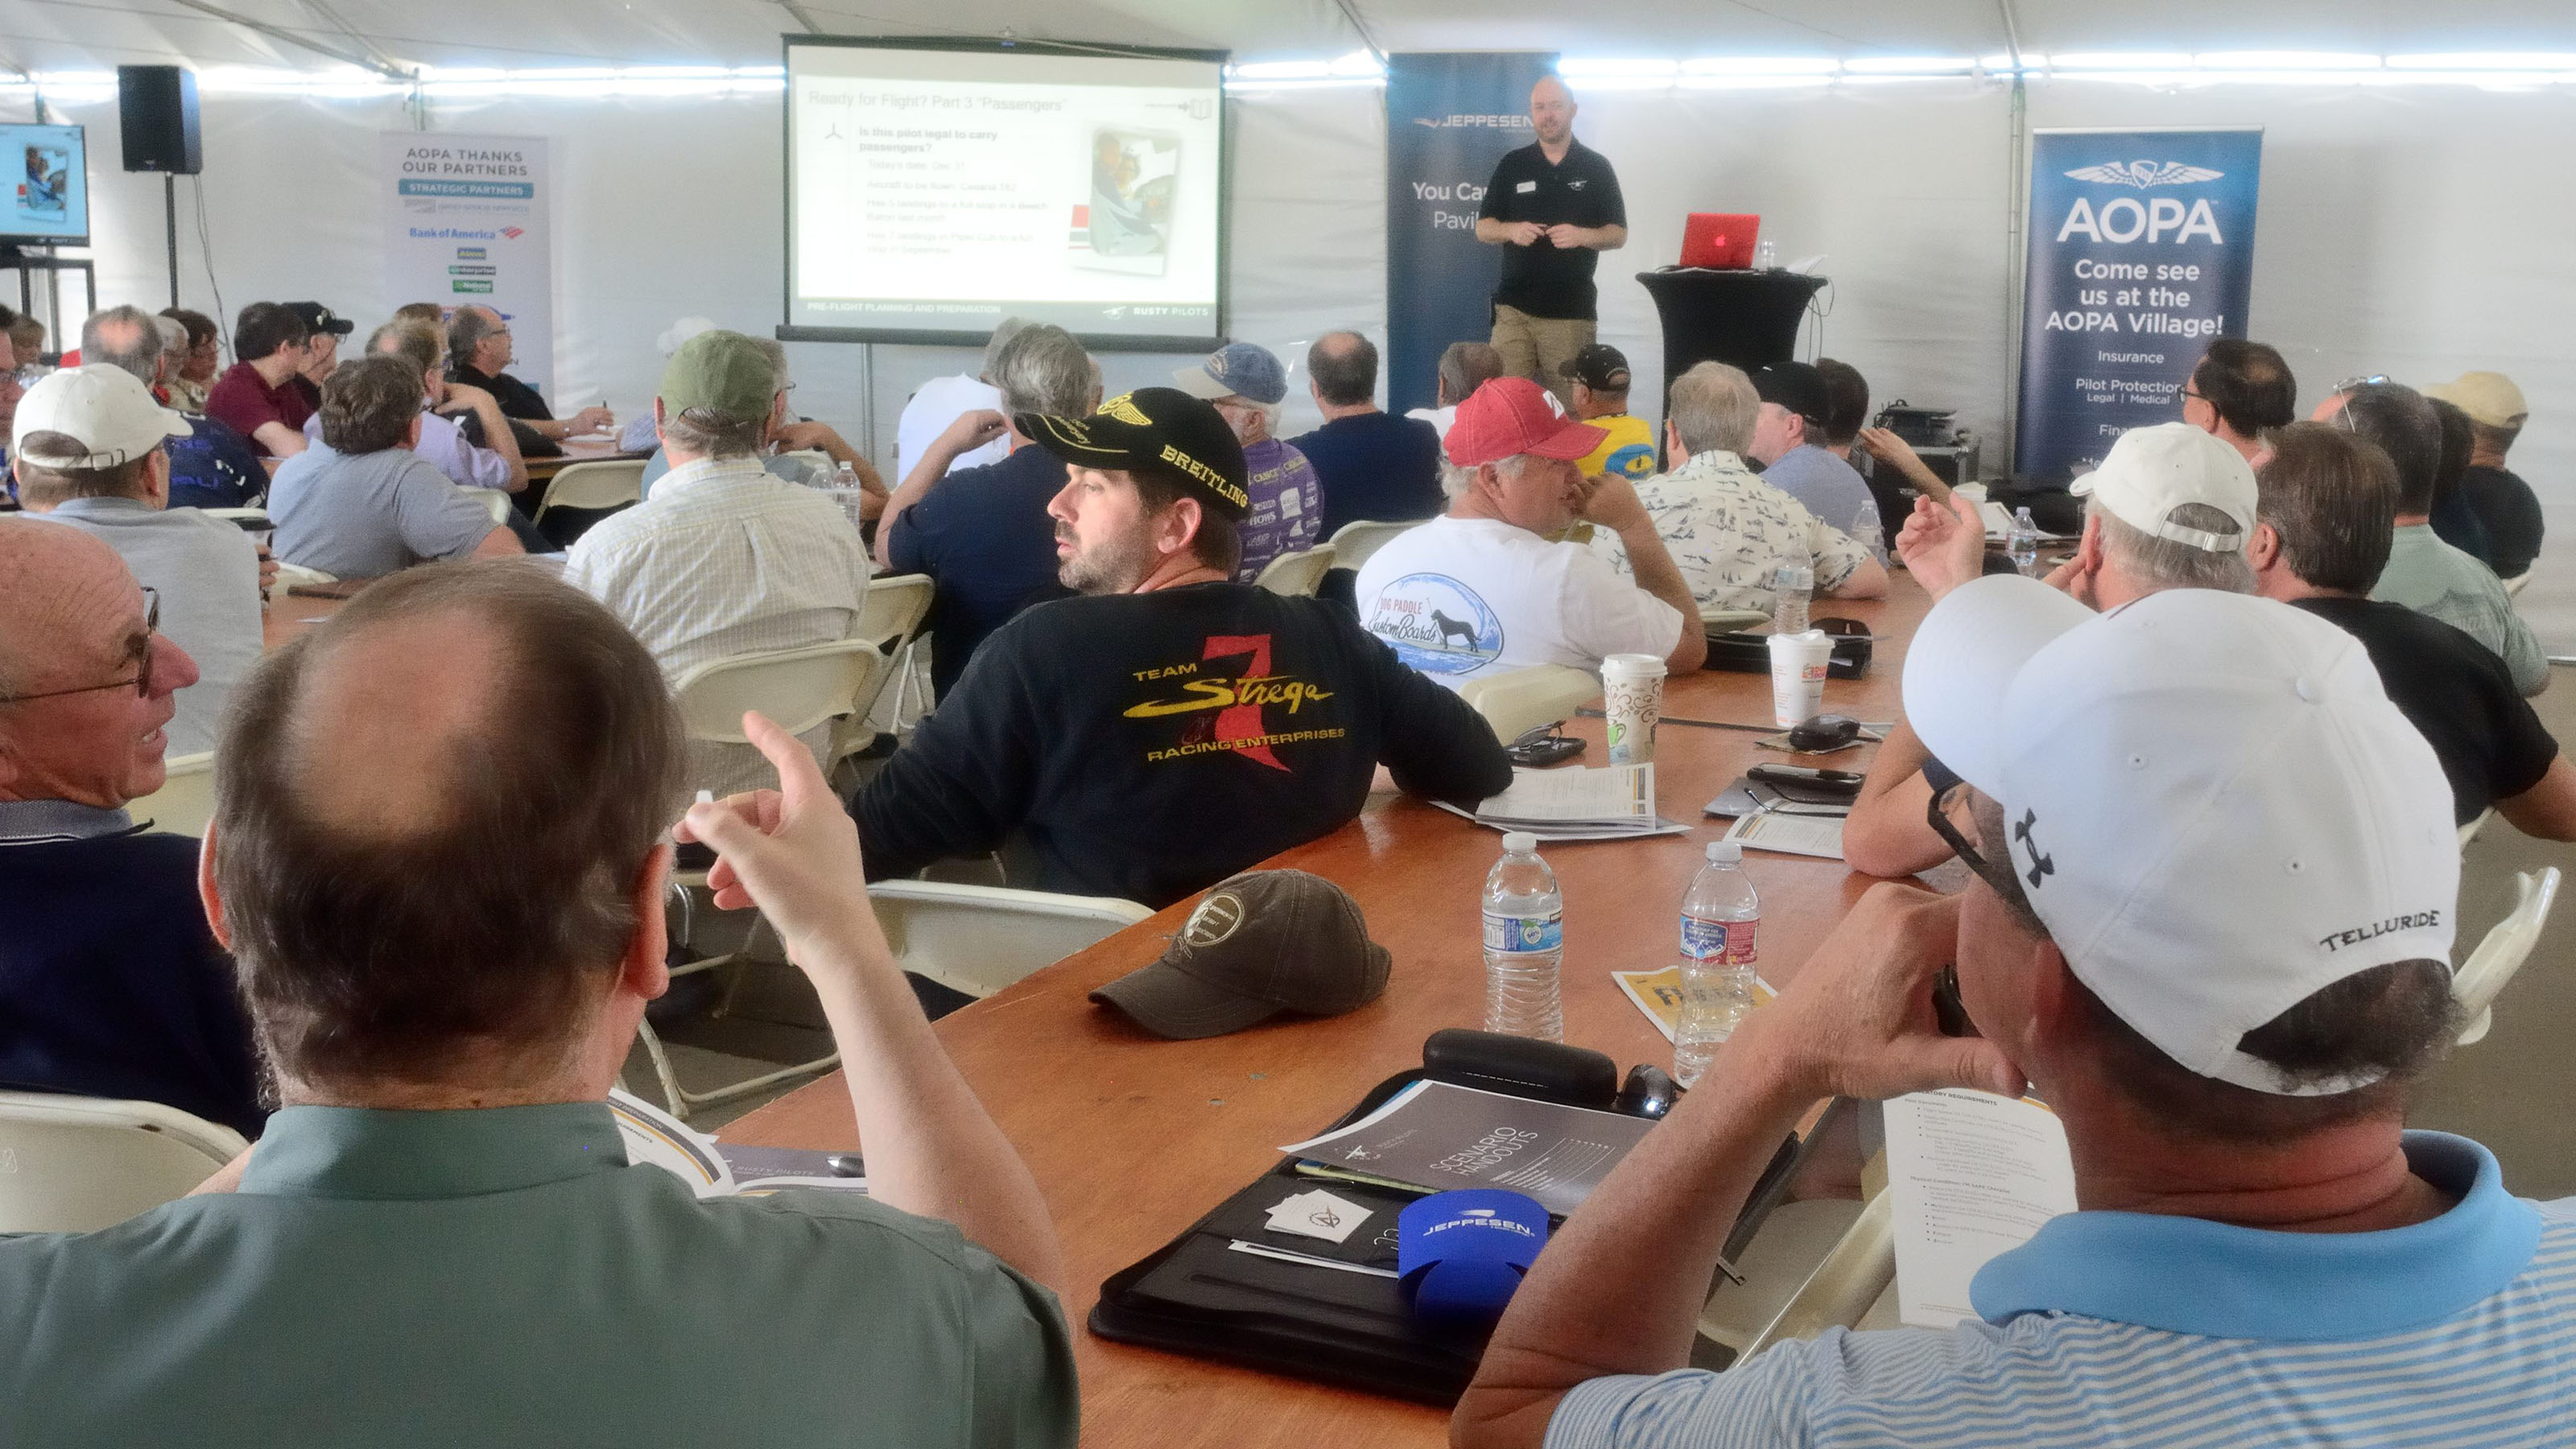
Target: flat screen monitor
(937,187)
(47,198)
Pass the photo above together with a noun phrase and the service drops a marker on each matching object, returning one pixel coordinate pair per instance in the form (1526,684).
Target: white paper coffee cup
(1632,698)
(1798,664)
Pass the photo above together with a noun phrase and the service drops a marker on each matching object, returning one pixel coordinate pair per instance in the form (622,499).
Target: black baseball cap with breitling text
(1258,944)
(1160,429)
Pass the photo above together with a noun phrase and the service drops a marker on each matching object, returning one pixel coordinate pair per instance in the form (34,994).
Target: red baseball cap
(1507,416)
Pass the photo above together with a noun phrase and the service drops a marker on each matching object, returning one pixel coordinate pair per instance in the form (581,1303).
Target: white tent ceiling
(89,35)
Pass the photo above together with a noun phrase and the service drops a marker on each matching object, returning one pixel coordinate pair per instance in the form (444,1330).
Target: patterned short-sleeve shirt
(1730,532)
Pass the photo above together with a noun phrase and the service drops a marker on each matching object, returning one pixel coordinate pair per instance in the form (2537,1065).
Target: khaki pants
(1535,347)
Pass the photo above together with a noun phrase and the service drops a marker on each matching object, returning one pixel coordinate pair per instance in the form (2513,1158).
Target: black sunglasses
(1938,813)
(142,680)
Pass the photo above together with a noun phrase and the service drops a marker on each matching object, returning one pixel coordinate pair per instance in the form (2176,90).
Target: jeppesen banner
(2141,251)
(1449,118)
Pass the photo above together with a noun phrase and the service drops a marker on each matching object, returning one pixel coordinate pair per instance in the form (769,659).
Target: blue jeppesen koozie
(1463,1253)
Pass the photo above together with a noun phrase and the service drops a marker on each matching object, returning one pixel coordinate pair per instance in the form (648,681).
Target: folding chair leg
(672,1097)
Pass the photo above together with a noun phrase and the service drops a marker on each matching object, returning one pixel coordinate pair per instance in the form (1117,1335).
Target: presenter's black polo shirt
(1543,280)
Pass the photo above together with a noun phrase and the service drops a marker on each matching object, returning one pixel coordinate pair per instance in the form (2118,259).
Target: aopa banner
(1449,118)
(2141,251)
(467,220)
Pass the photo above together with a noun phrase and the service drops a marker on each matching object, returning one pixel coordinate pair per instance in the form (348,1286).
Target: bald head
(1551,111)
(405,884)
(65,595)
(126,337)
(1342,367)
(88,684)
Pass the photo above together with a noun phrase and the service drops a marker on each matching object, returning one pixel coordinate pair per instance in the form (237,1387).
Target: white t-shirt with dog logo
(1457,598)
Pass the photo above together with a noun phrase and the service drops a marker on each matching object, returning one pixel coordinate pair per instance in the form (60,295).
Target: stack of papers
(1609,803)
(1819,836)
(1434,1136)
(1974,1175)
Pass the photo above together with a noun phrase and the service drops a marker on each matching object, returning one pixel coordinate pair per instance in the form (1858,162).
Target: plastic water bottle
(1766,256)
(1871,532)
(1792,585)
(845,491)
(2023,541)
(1524,943)
(1720,915)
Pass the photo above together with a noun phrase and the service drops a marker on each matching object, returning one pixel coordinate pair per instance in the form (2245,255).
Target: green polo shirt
(503,1277)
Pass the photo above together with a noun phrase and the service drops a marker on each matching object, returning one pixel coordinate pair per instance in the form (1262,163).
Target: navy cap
(1796,386)
(1238,369)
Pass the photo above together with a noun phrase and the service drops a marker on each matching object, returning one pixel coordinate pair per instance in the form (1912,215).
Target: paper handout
(1435,1136)
(1974,1175)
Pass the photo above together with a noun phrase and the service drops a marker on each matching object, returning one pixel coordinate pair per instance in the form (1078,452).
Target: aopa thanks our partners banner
(2141,251)
(469,221)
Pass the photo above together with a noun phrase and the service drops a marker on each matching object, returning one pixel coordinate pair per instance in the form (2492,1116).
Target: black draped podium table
(1741,318)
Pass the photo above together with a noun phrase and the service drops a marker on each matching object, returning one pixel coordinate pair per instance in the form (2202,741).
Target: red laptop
(1719,239)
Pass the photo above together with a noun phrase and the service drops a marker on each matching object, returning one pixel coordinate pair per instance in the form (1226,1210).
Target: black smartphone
(1541,752)
(1837,781)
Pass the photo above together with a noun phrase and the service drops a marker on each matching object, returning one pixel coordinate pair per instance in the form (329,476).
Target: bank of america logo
(2143,174)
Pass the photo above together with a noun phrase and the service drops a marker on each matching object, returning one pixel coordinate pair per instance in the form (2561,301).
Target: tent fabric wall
(2406,231)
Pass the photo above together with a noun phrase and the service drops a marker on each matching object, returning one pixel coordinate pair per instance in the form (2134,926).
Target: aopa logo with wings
(2143,174)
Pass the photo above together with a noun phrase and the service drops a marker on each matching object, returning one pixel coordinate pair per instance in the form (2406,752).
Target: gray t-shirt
(2435,579)
(365,515)
(1830,489)
(207,574)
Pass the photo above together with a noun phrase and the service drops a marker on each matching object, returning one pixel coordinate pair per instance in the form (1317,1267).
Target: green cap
(723,372)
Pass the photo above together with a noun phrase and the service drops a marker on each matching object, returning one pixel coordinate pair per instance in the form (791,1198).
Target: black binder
(1199,1296)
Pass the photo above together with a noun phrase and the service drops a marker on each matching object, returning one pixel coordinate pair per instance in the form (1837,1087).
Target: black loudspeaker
(156,113)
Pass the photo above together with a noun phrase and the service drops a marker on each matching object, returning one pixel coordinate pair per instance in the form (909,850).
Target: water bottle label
(1728,943)
(1525,933)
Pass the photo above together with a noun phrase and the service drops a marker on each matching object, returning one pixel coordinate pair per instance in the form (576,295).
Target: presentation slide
(932,193)
(48,195)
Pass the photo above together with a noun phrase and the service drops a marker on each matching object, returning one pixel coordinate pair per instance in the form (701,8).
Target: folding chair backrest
(979,939)
(797,688)
(1517,701)
(1297,573)
(186,799)
(289,575)
(492,500)
(895,606)
(77,1164)
(613,483)
(2482,977)
(1354,541)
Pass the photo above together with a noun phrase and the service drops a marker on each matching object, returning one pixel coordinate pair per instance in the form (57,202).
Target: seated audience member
(1246,384)
(2171,507)
(2455,520)
(1789,443)
(1729,532)
(1464,367)
(27,336)
(2224,970)
(724,558)
(2328,504)
(429,312)
(2239,391)
(983,534)
(1173,726)
(446,940)
(211,466)
(442,442)
(2503,502)
(943,400)
(325,328)
(88,453)
(204,358)
(1481,589)
(790,435)
(110,985)
(479,355)
(1370,465)
(1846,406)
(360,503)
(2424,573)
(1598,374)
(257,396)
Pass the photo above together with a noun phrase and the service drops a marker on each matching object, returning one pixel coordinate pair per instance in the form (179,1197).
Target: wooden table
(287,616)
(581,450)
(1132,1138)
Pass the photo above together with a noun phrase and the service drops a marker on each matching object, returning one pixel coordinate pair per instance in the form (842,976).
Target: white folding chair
(2470,831)
(1811,1266)
(1353,542)
(289,575)
(2513,586)
(800,689)
(1517,701)
(492,500)
(612,483)
(77,1164)
(891,616)
(186,799)
(2482,978)
(1297,573)
(979,939)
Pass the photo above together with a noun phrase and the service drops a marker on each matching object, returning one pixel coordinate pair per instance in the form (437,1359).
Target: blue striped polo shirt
(2136,1329)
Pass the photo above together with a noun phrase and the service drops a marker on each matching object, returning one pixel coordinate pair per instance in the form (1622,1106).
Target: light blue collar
(2189,1275)
(51,822)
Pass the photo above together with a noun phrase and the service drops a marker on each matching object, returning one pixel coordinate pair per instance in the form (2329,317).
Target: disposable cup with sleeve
(1798,663)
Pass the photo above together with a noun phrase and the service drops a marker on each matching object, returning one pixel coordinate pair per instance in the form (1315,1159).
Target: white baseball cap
(2212,805)
(107,408)
(2150,472)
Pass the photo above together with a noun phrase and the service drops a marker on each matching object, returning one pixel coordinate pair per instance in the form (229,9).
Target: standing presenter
(1553,207)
